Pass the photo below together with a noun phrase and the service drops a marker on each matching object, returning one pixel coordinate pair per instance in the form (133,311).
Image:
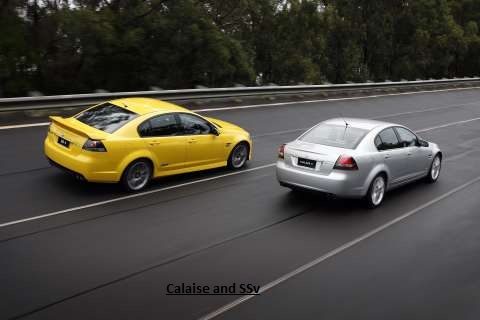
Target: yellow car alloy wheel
(137,175)
(238,156)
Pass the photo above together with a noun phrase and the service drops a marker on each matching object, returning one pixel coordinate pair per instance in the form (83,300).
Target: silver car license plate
(307,163)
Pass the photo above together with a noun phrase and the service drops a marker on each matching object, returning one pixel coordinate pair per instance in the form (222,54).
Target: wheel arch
(249,146)
(134,157)
(384,174)
(378,170)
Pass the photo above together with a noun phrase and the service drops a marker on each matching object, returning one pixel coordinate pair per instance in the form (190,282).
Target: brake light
(345,163)
(281,152)
(94,145)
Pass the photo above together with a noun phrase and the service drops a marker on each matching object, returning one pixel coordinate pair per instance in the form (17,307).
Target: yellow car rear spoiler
(78,128)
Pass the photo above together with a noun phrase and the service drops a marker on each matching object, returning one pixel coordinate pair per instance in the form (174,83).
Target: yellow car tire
(238,156)
(137,175)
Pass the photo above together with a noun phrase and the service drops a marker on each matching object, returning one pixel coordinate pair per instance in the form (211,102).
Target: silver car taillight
(345,162)
(281,152)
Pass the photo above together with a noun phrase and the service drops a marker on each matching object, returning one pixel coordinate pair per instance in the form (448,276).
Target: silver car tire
(435,168)
(376,191)
(137,175)
(239,156)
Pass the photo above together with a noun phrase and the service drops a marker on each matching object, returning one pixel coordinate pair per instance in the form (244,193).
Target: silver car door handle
(387,156)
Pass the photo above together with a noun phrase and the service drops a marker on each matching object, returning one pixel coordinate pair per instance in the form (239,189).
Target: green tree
(72,46)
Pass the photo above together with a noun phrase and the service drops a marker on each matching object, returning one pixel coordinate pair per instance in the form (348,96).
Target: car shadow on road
(66,182)
(330,205)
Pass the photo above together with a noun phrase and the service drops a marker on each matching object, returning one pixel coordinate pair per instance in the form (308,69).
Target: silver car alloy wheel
(239,156)
(378,190)
(436,166)
(138,175)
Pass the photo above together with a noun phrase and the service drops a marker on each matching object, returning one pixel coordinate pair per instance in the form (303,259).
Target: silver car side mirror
(422,143)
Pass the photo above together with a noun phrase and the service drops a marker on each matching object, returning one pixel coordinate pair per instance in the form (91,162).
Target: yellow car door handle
(192,141)
(154,142)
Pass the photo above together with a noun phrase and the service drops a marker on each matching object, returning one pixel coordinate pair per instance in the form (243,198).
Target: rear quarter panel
(373,159)
(123,151)
(367,166)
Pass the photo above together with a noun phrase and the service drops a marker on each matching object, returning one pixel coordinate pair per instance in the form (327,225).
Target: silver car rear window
(335,136)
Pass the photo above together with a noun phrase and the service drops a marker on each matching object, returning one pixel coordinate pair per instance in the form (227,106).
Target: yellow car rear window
(106,117)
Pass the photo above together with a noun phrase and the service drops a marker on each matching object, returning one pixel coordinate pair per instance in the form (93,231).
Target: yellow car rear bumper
(91,166)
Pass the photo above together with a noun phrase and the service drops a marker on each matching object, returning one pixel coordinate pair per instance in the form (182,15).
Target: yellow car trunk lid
(75,131)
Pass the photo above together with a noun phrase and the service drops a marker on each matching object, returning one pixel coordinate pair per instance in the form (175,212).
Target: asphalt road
(99,253)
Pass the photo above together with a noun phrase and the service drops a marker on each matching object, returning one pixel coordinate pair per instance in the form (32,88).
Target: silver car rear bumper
(343,184)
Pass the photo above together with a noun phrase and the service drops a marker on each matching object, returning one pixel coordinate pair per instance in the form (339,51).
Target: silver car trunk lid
(324,156)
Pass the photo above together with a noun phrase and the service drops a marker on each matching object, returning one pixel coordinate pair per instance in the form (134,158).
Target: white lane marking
(426,110)
(336,251)
(448,125)
(461,155)
(326,100)
(136,195)
(28,125)
(275,105)
(96,204)
(386,116)
(274,133)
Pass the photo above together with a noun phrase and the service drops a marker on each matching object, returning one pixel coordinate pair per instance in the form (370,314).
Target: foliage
(76,46)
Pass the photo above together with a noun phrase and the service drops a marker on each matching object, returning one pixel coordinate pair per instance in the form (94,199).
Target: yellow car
(135,139)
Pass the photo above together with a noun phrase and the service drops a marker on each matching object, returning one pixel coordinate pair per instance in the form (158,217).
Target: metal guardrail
(79,100)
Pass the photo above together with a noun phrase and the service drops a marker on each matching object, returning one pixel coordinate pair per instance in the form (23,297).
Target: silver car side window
(388,139)
(407,138)
(378,142)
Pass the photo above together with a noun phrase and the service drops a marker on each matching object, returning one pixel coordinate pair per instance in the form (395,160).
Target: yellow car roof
(147,105)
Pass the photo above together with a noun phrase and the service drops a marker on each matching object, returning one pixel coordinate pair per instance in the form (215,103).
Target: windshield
(106,117)
(335,136)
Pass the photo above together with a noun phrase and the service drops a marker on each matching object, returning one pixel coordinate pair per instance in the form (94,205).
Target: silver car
(357,158)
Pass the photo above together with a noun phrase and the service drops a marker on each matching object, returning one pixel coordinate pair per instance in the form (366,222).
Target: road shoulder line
(131,196)
(336,251)
(96,204)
